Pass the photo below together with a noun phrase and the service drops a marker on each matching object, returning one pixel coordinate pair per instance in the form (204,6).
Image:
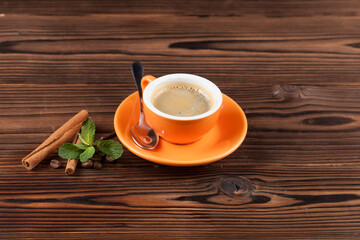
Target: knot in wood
(236,186)
(287,92)
(328,121)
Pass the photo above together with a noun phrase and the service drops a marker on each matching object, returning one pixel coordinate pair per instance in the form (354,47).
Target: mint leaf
(88,153)
(83,140)
(69,151)
(88,131)
(81,146)
(110,147)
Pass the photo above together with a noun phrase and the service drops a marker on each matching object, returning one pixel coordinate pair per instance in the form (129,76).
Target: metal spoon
(142,134)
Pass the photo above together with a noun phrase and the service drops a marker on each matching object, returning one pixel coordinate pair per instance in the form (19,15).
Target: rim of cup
(186,78)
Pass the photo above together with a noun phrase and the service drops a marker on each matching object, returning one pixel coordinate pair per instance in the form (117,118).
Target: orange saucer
(223,139)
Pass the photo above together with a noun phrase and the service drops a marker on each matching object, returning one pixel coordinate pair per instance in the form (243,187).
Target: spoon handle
(137,70)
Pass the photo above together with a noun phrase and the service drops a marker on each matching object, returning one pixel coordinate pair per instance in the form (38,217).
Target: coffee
(182,99)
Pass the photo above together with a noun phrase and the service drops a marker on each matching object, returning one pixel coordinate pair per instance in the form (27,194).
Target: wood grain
(178,7)
(293,66)
(245,49)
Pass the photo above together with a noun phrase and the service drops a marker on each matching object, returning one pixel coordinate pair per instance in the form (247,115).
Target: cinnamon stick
(55,140)
(72,163)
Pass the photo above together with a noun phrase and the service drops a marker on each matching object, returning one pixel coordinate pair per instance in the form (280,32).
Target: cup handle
(146,80)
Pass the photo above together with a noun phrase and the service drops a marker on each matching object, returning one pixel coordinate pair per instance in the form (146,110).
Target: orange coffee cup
(176,129)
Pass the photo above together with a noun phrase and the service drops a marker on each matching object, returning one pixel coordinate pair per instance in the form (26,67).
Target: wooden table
(293,66)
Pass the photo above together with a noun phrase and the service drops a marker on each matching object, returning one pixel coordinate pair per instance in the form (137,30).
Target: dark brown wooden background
(294,67)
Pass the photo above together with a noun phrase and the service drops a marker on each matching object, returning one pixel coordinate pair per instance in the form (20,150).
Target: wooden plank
(292,202)
(293,125)
(199,8)
(246,49)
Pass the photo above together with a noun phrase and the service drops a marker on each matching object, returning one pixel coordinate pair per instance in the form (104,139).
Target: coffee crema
(182,99)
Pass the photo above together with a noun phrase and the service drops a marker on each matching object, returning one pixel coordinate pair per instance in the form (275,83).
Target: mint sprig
(88,131)
(83,140)
(110,147)
(86,150)
(70,151)
(88,153)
